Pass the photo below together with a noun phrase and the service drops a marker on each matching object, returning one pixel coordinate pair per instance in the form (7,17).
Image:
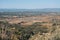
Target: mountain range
(36,10)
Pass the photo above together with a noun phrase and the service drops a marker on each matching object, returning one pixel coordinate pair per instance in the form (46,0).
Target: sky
(29,4)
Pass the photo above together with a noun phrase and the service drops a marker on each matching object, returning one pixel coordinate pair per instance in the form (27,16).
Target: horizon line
(27,8)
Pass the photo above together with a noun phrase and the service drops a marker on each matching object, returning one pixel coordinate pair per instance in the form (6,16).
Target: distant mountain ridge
(41,10)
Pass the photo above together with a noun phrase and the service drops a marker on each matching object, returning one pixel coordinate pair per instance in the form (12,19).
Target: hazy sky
(29,4)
